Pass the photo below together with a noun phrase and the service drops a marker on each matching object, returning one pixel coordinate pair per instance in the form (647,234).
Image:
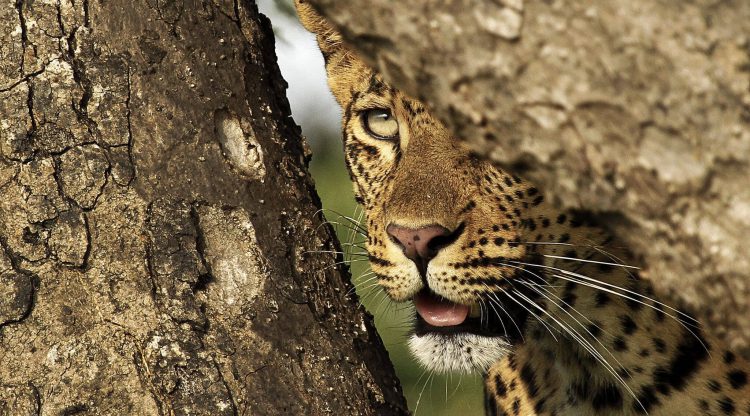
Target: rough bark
(638,111)
(156,223)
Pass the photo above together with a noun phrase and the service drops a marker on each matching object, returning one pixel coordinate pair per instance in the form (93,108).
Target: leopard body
(566,326)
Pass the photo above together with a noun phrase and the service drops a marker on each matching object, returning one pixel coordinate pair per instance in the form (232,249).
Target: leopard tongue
(440,312)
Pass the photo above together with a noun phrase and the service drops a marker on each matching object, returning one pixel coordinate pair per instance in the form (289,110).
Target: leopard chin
(458,352)
(450,337)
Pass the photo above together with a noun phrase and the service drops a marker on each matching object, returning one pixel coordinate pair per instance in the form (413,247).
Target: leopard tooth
(475,311)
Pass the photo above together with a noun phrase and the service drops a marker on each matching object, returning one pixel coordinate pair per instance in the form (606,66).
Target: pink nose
(422,244)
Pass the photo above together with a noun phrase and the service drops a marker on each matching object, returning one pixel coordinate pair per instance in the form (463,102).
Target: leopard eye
(380,123)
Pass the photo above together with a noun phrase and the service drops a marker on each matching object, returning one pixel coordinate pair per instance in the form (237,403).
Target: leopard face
(444,229)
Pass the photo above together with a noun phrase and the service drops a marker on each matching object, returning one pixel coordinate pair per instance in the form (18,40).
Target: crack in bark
(206,278)
(79,74)
(29,76)
(15,264)
(24,35)
(30,106)
(37,398)
(128,113)
(87,253)
(86,19)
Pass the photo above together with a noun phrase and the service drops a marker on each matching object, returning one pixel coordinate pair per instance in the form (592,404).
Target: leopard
(544,303)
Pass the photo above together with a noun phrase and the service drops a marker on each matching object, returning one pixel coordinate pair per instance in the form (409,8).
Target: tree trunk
(638,111)
(157,219)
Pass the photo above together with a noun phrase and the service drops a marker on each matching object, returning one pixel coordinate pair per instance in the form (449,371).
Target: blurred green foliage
(441,395)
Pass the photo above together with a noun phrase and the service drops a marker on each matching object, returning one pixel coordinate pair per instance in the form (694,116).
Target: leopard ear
(346,72)
(329,40)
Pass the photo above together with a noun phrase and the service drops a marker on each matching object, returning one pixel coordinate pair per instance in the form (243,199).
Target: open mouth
(437,315)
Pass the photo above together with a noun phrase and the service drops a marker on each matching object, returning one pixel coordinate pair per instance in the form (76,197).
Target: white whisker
(591,261)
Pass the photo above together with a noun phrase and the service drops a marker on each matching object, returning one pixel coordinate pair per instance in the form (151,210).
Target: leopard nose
(422,244)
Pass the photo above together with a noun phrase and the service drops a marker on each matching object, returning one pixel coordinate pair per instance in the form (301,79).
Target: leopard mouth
(436,315)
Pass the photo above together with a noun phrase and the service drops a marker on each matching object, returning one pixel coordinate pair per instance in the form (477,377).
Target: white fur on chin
(464,353)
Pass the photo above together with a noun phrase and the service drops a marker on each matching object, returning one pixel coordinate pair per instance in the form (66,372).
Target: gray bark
(638,111)
(156,223)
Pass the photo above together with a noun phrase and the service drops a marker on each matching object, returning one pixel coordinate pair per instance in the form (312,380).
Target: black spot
(644,353)
(577,220)
(689,356)
(483,241)
(658,312)
(508,181)
(490,405)
(528,376)
(539,406)
(500,388)
(370,150)
(518,194)
(714,386)
(628,324)
(532,191)
(619,344)
(607,396)
(568,300)
(513,366)
(577,391)
(380,262)
(508,198)
(601,298)
(564,238)
(633,304)
(495,228)
(561,218)
(545,222)
(516,407)
(376,86)
(499,241)
(703,405)
(646,400)
(726,405)
(538,200)
(531,224)
(737,378)
(471,205)
(660,345)
(595,329)
(729,357)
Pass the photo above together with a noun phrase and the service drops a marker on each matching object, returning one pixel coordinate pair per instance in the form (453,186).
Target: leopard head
(446,230)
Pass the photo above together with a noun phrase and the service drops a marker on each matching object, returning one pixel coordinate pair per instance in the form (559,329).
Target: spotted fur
(571,330)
